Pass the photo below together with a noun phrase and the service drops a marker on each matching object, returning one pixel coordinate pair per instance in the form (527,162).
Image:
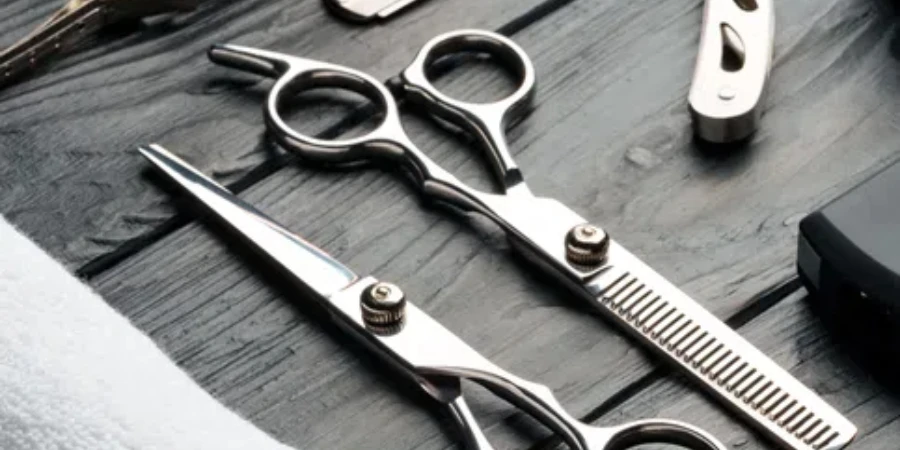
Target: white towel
(74,374)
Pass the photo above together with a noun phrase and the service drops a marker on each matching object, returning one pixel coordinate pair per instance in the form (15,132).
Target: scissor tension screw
(587,245)
(383,308)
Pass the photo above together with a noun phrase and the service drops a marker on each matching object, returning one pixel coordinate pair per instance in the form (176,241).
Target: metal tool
(71,25)
(366,10)
(379,316)
(580,255)
(732,71)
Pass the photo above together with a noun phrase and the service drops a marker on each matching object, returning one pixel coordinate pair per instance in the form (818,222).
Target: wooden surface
(609,136)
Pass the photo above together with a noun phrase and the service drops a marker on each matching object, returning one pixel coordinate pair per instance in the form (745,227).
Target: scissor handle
(293,75)
(486,121)
(540,402)
(655,431)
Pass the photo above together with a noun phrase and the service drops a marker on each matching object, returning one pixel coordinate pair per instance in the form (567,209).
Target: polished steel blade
(306,263)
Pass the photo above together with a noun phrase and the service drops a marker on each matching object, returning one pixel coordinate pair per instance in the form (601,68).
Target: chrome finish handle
(293,75)
(387,141)
(658,431)
(540,402)
(487,122)
(732,70)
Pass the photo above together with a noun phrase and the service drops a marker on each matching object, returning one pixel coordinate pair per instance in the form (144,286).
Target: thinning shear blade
(732,70)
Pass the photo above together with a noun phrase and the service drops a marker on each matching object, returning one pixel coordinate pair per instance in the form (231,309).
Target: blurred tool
(547,233)
(849,259)
(428,354)
(366,10)
(732,71)
(71,25)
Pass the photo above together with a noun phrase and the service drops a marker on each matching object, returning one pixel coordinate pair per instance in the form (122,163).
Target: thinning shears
(407,338)
(581,255)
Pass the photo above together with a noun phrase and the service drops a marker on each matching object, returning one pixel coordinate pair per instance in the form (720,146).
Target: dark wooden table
(610,136)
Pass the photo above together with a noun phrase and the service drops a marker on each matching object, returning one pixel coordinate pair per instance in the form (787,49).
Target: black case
(849,259)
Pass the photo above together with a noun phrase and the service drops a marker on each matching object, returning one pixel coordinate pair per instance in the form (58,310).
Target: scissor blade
(300,259)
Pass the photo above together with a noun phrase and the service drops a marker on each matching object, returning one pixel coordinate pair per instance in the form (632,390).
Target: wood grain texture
(68,175)
(793,336)
(610,137)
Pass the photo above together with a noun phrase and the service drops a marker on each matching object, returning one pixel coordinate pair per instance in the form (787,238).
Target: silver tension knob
(587,245)
(383,308)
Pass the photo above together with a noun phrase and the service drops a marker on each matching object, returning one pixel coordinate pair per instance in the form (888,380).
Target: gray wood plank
(611,138)
(795,338)
(67,170)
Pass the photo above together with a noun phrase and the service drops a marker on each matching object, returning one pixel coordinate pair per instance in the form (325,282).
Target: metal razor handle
(676,326)
(366,10)
(732,70)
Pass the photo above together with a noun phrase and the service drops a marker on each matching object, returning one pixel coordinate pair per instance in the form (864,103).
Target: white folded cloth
(74,374)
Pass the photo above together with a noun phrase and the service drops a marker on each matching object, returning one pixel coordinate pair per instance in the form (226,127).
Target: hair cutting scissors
(407,338)
(582,256)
